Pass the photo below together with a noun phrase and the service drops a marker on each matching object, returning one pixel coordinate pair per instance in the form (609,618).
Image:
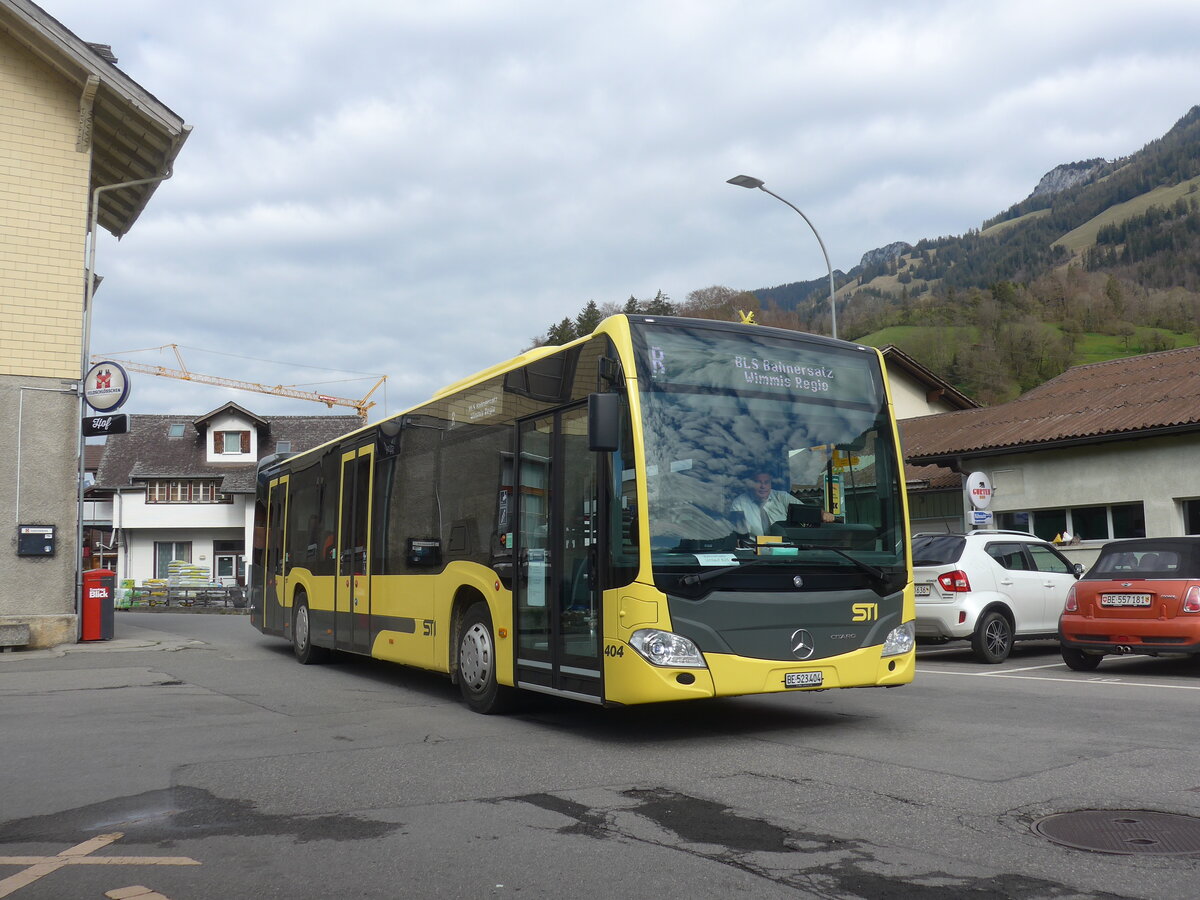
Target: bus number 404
(614,650)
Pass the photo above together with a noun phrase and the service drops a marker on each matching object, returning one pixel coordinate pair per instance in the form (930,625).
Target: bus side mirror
(604,422)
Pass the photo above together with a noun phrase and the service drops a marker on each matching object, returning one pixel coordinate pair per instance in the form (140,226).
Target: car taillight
(1191,600)
(1072,604)
(955,581)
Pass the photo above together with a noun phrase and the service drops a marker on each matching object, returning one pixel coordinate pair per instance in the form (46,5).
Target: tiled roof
(147,451)
(931,478)
(1139,395)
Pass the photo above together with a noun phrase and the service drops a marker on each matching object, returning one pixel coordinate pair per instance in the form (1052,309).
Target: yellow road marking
(80,855)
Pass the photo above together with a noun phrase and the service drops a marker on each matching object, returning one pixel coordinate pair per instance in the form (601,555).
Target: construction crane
(279,390)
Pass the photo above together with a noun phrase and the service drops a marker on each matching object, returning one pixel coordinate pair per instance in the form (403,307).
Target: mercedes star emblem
(802,644)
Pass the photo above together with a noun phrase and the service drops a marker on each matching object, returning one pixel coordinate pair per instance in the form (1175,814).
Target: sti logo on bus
(865,612)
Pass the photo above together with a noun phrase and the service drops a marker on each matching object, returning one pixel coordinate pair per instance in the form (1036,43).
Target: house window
(186,492)
(1191,516)
(166,552)
(175,429)
(1088,523)
(231,442)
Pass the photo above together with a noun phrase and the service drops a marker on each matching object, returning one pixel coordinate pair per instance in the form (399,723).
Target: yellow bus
(666,509)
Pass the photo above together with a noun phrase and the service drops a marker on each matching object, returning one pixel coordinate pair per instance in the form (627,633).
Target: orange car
(1141,596)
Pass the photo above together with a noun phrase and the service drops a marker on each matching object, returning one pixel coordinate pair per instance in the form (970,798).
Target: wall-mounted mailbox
(35,540)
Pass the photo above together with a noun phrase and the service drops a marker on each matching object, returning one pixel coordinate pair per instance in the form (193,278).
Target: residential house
(934,491)
(182,486)
(1102,451)
(73,127)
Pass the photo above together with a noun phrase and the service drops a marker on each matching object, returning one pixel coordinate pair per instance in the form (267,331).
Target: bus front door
(353,601)
(275,616)
(558,598)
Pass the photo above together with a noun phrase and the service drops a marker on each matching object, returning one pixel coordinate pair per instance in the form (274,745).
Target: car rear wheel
(993,638)
(1080,661)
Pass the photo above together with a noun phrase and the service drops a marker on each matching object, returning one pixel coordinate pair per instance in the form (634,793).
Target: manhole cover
(1122,831)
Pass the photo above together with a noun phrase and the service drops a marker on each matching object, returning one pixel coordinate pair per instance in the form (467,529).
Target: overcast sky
(417,189)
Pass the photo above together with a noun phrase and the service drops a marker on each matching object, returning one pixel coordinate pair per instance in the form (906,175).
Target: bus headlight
(663,648)
(900,640)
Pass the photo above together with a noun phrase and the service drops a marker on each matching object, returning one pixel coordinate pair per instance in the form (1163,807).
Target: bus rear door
(558,598)
(353,600)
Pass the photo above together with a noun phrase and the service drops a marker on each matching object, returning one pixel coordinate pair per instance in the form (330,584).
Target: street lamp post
(747,181)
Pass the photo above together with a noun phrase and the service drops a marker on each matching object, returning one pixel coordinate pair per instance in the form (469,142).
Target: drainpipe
(84,365)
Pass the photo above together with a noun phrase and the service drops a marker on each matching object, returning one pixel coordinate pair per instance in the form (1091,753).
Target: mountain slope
(1099,253)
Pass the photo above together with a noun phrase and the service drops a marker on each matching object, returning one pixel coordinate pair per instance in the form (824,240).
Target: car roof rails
(1028,534)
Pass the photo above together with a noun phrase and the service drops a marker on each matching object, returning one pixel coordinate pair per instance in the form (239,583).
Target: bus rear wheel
(477,664)
(302,643)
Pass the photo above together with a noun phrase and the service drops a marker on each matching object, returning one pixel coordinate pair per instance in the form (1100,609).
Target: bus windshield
(767,445)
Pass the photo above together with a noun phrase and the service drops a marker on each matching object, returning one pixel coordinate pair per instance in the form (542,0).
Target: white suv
(992,587)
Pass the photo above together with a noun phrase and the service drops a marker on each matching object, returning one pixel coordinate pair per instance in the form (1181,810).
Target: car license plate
(803,679)
(1124,600)
(922,590)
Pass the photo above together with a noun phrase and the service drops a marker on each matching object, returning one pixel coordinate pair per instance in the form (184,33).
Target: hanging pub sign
(106,386)
(98,426)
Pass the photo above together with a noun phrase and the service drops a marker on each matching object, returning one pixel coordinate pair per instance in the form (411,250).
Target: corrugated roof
(1154,393)
(148,452)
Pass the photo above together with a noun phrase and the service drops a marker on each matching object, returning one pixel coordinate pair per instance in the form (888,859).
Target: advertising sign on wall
(106,386)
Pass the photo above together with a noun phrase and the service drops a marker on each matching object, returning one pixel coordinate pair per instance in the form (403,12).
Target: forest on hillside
(992,344)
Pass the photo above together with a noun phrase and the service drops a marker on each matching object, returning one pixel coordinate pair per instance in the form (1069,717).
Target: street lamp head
(745,181)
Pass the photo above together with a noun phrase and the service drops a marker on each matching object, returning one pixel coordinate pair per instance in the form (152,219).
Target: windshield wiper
(874,571)
(700,577)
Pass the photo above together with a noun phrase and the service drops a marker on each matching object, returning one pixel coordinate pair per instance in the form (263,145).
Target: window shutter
(217,448)
(245,442)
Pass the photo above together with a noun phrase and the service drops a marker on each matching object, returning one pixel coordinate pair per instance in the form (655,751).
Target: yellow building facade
(73,127)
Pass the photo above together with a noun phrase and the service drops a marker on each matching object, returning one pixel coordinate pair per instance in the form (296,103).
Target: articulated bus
(583,521)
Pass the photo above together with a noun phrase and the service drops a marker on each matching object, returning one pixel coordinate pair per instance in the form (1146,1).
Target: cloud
(417,189)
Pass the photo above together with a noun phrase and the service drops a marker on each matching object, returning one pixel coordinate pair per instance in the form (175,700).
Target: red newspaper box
(99,585)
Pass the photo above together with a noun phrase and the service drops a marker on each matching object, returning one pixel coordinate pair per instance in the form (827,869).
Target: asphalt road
(193,758)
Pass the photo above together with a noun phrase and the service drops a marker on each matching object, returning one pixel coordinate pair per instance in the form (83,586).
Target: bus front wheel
(477,664)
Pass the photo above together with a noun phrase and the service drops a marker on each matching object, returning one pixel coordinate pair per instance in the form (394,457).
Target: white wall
(1158,472)
(139,524)
(137,560)
(909,397)
(137,513)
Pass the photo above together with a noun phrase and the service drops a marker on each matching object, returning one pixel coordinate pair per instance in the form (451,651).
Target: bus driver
(761,505)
